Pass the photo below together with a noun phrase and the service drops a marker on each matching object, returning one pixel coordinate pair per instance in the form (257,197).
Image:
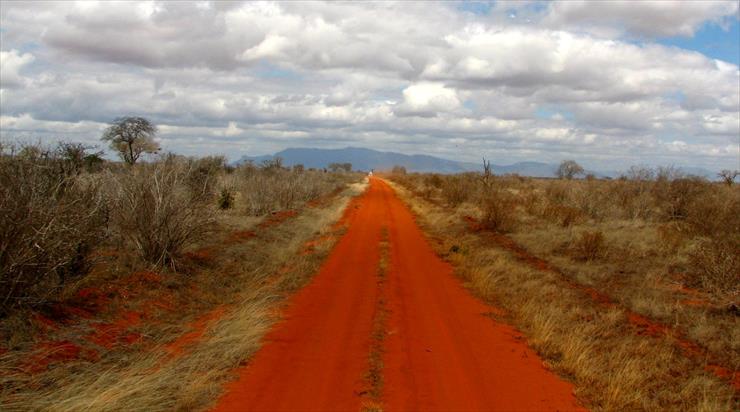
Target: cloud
(11,63)
(426,100)
(654,18)
(416,77)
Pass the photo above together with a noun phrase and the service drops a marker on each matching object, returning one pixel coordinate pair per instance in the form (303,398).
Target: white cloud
(427,99)
(419,77)
(646,17)
(11,63)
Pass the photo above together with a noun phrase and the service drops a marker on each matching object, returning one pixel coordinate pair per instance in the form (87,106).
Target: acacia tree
(568,169)
(728,176)
(131,137)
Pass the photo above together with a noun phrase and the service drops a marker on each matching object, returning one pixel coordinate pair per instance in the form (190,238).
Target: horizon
(654,83)
(611,173)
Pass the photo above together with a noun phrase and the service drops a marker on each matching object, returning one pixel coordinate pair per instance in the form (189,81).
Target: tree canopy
(568,169)
(130,137)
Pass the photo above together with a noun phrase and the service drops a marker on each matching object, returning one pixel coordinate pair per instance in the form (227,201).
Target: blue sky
(712,40)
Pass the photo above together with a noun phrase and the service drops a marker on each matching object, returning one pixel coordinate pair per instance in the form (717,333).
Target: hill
(368,159)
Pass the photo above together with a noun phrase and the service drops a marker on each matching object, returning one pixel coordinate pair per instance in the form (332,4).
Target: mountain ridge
(370,159)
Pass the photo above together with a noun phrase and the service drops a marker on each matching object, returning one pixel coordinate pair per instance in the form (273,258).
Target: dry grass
(241,269)
(614,365)
(250,278)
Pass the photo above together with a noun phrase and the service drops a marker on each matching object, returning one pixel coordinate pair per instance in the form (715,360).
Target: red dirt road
(440,350)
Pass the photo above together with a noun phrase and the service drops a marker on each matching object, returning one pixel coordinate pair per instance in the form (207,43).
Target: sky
(607,83)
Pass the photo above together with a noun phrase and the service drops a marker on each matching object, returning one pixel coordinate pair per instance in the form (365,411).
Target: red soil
(240,236)
(442,351)
(204,256)
(197,328)
(277,218)
(110,334)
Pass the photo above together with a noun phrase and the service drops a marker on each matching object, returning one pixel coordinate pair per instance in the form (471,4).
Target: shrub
(589,246)
(433,180)
(156,210)
(565,216)
(675,197)
(49,220)
(498,211)
(226,199)
(457,189)
(398,170)
(715,213)
(203,176)
(715,263)
(269,190)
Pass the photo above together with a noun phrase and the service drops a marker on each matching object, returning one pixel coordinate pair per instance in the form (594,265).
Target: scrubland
(141,287)
(627,287)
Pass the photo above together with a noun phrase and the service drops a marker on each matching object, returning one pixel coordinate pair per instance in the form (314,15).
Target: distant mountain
(533,169)
(364,159)
(367,159)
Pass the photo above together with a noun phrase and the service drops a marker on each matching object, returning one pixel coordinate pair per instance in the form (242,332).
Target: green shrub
(226,199)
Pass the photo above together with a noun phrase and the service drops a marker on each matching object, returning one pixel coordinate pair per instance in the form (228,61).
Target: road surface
(439,348)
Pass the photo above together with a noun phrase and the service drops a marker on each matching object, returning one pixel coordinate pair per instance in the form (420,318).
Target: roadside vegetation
(139,285)
(628,287)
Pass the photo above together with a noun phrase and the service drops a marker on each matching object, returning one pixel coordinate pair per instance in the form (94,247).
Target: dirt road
(439,348)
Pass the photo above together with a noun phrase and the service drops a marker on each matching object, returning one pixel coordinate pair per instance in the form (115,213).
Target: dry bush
(433,180)
(498,210)
(203,176)
(49,220)
(226,199)
(565,216)
(457,189)
(531,202)
(632,197)
(588,246)
(675,198)
(592,199)
(670,236)
(715,213)
(715,263)
(271,189)
(157,211)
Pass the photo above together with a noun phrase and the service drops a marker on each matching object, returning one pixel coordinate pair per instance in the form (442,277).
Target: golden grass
(250,278)
(613,367)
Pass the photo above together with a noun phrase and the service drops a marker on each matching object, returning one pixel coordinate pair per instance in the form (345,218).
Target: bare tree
(487,174)
(568,169)
(728,176)
(131,137)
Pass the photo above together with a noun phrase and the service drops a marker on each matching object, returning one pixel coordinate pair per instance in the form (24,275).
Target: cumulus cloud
(256,77)
(427,99)
(11,63)
(645,18)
